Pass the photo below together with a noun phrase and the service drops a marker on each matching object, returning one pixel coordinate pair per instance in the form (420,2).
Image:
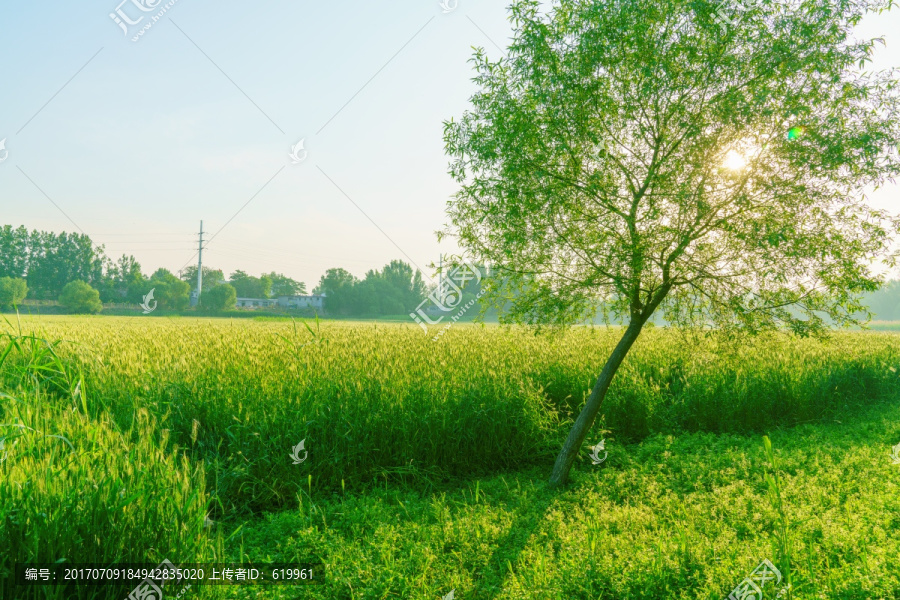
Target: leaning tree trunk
(585,420)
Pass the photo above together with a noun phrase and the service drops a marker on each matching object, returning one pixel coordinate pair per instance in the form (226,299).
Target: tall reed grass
(76,488)
(377,402)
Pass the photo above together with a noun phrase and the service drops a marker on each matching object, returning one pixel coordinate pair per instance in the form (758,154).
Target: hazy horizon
(133,143)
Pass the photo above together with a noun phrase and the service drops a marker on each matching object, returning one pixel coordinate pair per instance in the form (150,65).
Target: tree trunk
(591,408)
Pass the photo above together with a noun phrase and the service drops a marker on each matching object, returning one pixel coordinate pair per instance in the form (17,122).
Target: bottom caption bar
(147,577)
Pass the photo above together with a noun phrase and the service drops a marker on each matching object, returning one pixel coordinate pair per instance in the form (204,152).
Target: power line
(144,233)
(48,197)
(141,242)
(126,250)
(234,215)
(59,90)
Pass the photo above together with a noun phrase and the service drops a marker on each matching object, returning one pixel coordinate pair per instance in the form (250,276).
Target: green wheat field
(143,439)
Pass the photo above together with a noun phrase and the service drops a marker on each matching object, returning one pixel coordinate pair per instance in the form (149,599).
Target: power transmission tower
(195,299)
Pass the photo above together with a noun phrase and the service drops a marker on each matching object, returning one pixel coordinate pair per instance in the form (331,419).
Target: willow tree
(652,157)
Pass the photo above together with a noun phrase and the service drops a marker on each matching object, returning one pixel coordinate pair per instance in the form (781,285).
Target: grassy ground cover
(675,517)
(426,460)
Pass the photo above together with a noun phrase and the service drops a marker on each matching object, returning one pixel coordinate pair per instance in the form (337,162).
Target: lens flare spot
(796,132)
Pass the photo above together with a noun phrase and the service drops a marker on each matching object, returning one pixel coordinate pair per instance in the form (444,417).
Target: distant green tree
(13,251)
(79,297)
(12,291)
(56,259)
(285,286)
(338,285)
(885,303)
(219,298)
(248,286)
(372,296)
(394,290)
(170,292)
(211,277)
(334,279)
(120,280)
(48,260)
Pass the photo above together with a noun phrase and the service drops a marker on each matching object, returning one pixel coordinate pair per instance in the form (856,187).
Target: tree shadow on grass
(505,558)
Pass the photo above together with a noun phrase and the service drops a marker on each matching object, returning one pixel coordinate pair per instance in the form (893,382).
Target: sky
(135,142)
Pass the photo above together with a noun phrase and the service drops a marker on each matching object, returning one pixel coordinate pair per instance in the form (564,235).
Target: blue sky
(136,142)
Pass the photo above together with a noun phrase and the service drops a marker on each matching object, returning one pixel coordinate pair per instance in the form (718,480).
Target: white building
(316,301)
(256,303)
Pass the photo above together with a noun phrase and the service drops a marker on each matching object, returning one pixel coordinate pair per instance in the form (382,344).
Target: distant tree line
(395,290)
(70,268)
(885,303)
(39,265)
(268,285)
(49,261)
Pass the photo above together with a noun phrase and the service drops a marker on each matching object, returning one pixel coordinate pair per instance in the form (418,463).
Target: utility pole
(196,298)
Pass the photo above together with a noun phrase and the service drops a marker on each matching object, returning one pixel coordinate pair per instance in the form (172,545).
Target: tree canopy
(634,153)
(282,285)
(170,292)
(218,297)
(48,260)
(12,291)
(248,286)
(639,156)
(79,297)
(122,281)
(211,277)
(394,290)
